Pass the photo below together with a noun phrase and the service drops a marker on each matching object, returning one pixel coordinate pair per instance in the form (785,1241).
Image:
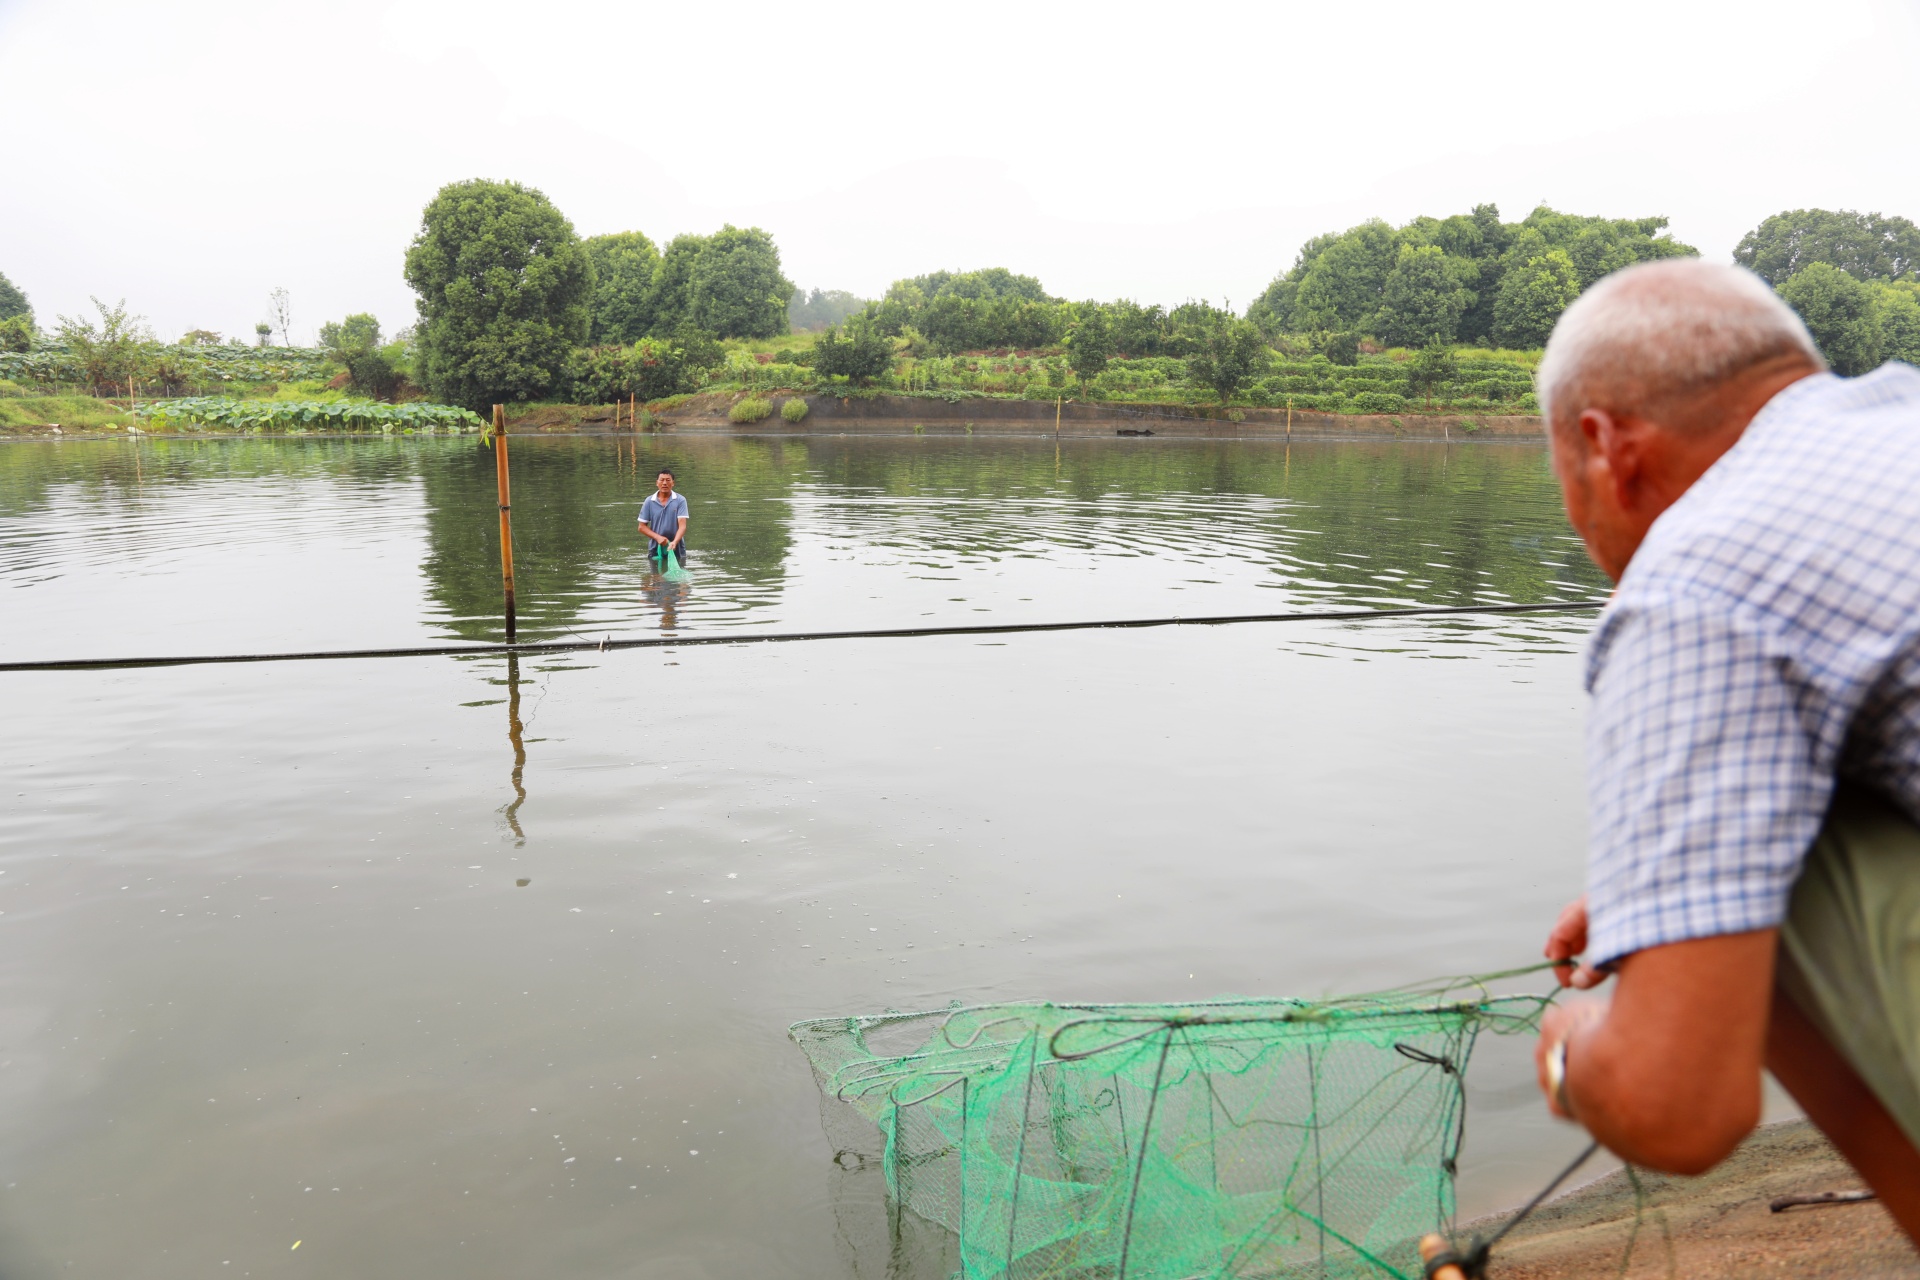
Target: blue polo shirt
(664,519)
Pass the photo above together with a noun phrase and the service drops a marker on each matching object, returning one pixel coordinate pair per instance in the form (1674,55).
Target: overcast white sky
(192,155)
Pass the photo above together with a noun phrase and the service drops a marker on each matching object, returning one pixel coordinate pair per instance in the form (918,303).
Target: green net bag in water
(1160,1142)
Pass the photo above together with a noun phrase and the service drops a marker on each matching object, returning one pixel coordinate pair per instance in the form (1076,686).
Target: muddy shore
(892,415)
(1719,1224)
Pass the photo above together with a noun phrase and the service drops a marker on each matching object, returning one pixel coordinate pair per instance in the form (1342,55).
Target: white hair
(1660,330)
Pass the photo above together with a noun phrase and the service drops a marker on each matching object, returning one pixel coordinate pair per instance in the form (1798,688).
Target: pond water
(449,967)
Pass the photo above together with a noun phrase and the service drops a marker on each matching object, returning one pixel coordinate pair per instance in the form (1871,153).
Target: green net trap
(1234,1137)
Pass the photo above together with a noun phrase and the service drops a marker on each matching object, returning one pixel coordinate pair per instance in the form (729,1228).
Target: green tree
(858,352)
(1864,245)
(1532,296)
(735,288)
(1897,312)
(668,302)
(1341,349)
(1596,246)
(504,292)
(699,349)
(1839,312)
(16,334)
(1343,287)
(1432,369)
(355,343)
(110,353)
(1233,354)
(623,267)
(1425,295)
(1137,330)
(352,336)
(1089,344)
(12,301)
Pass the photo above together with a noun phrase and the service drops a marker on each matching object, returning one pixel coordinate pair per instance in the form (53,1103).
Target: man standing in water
(663,518)
(1753,882)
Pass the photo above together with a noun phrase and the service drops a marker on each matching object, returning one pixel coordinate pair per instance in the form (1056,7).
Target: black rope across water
(788,637)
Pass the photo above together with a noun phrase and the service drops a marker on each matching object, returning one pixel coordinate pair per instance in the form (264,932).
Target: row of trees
(1469,278)
(508,291)
(728,284)
(1853,277)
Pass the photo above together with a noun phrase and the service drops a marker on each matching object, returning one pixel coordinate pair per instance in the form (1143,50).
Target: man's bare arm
(1668,1074)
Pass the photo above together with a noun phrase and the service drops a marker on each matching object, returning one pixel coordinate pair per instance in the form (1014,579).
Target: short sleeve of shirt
(1703,788)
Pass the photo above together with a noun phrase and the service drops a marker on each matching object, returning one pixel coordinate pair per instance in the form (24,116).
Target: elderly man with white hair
(1753,883)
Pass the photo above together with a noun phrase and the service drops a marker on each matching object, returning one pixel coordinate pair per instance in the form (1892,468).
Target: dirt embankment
(1720,1224)
(895,415)
(916,415)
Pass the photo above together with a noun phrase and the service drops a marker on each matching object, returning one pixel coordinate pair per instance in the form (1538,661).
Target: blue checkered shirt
(1765,640)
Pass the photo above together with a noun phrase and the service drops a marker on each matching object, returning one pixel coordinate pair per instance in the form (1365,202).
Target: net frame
(1230,1137)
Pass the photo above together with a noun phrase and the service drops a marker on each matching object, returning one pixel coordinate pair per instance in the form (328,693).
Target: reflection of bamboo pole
(506,508)
(516,739)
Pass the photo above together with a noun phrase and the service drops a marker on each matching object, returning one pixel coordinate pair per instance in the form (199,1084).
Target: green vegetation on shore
(1853,277)
(1437,315)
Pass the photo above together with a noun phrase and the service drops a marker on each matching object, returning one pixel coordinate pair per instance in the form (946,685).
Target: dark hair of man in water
(663,472)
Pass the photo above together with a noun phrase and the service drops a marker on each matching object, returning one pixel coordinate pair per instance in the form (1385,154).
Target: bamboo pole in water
(506,509)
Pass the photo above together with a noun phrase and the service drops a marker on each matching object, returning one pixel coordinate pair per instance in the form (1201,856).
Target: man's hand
(1668,1074)
(1566,942)
(1560,1024)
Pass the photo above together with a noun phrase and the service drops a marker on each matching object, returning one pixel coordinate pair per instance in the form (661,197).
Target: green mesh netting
(1161,1142)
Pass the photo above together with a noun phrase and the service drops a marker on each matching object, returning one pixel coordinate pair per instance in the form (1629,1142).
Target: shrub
(1379,402)
(372,374)
(752,409)
(794,410)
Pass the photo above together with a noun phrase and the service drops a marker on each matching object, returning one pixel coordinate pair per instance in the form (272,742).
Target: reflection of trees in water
(118,470)
(1465,519)
(575,502)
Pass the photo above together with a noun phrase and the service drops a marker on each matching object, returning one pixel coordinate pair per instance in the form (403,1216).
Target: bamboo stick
(506,508)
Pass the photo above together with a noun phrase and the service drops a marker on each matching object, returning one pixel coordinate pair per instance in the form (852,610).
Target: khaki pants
(1850,949)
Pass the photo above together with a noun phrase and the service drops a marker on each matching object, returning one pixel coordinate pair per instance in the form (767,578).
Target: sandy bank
(1720,1223)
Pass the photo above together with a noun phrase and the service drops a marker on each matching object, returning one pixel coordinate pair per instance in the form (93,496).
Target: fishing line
(790,637)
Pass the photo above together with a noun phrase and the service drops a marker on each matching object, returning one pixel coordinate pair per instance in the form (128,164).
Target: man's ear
(1619,445)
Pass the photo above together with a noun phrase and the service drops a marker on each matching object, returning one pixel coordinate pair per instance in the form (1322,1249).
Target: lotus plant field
(52,364)
(226,413)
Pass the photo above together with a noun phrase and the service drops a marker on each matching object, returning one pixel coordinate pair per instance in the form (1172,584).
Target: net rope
(609,644)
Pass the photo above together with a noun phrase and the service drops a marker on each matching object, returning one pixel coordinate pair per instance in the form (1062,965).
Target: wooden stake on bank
(506,509)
